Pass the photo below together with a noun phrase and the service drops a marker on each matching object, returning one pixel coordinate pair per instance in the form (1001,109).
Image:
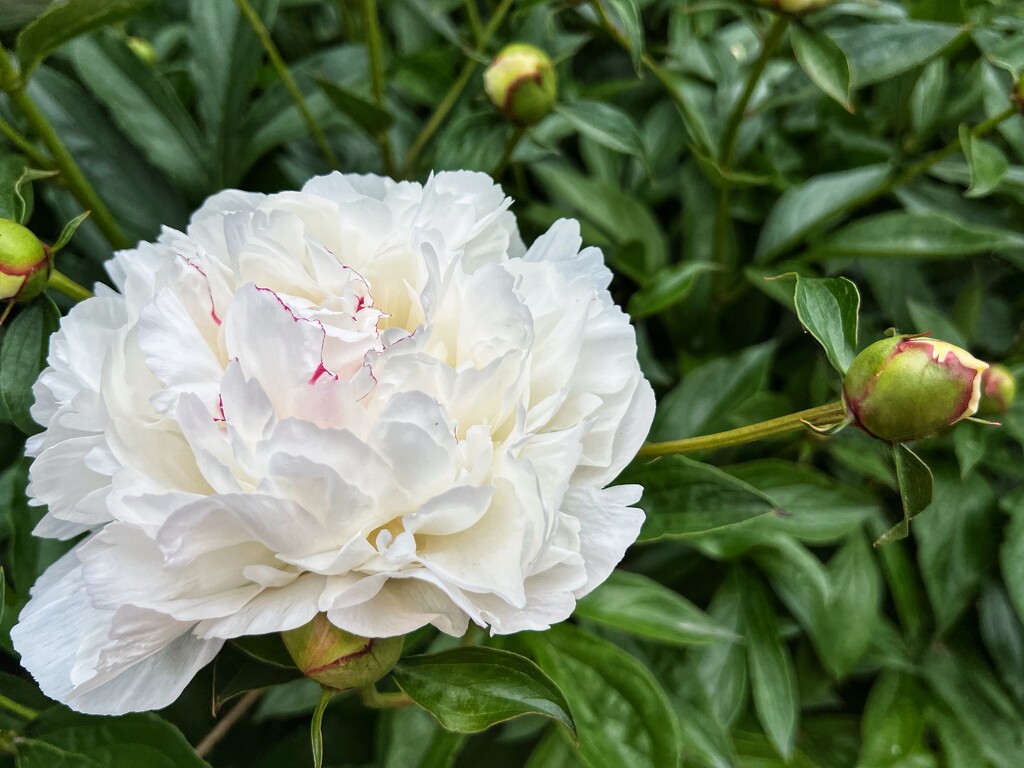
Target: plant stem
(226,723)
(316,735)
(374,48)
(822,416)
(374,699)
(24,146)
(475,25)
(64,284)
(727,148)
(506,155)
(286,78)
(71,174)
(455,91)
(18,710)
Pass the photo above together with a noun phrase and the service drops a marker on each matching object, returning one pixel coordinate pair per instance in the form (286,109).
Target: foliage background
(761,628)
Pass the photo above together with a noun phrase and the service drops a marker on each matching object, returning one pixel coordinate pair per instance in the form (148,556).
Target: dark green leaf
(721,668)
(64,21)
(666,288)
(828,308)
(608,125)
(642,606)
(1003,633)
(623,716)
(23,356)
(628,12)
(894,721)
(1011,557)
(806,207)
(853,608)
(413,739)
(236,672)
(471,689)
(824,62)
(364,112)
(914,481)
(986,161)
(879,51)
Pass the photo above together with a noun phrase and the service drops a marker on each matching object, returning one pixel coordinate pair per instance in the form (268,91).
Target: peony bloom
(366,399)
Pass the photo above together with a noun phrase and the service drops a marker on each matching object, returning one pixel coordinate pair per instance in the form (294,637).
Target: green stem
(506,155)
(455,91)
(24,146)
(822,416)
(64,284)
(286,78)
(727,148)
(374,699)
(475,25)
(71,174)
(374,48)
(316,735)
(18,710)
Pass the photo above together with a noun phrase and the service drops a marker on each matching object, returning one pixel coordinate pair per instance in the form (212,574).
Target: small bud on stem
(338,659)
(521,83)
(25,263)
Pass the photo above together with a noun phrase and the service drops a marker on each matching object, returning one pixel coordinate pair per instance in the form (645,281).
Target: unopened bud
(338,659)
(908,387)
(521,83)
(25,263)
(998,390)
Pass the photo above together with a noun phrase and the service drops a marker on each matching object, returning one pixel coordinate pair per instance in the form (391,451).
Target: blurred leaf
(145,107)
(772,676)
(23,356)
(987,163)
(471,689)
(606,124)
(824,62)
(364,112)
(828,308)
(1011,556)
(666,288)
(894,721)
(642,606)
(807,206)
(64,21)
(628,12)
(622,715)
(684,498)
(879,51)
(59,738)
(1003,633)
(914,480)
(413,739)
(235,672)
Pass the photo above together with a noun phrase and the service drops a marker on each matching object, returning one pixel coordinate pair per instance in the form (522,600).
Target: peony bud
(798,7)
(908,387)
(25,263)
(521,83)
(998,389)
(338,659)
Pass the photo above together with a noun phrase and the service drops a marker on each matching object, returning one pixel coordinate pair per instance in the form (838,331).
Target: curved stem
(23,145)
(316,735)
(18,710)
(374,50)
(64,284)
(286,78)
(226,723)
(455,91)
(374,699)
(506,155)
(822,416)
(70,173)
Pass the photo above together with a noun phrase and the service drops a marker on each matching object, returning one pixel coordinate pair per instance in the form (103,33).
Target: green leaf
(364,112)
(914,481)
(470,689)
(69,231)
(1011,557)
(808,206)
(642,606)
(828,308)
(684,498)
(623,716)
(23,356)
(1003,633)
(24,197)
(65,20)
(824,62)
(879,51)
(916,234)
(986,162)
(852,613)
(721,668)
(145,107)
(894,721)
(412,738)
(666,288)
(3,593)
(608,125)
(772,676)
(235,672)
(11,168)
(59,738)
(628,12)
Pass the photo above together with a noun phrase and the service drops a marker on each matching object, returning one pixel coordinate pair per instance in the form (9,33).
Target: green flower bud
(998,389)
(908,387)
(25,263)
(521,83)
(338,659)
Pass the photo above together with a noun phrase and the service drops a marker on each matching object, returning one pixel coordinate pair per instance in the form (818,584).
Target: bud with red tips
(25,263)
(338,659)
(998,390)
(521,83)
(909,387)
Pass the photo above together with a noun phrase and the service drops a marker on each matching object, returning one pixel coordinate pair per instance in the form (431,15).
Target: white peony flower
(366,399)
